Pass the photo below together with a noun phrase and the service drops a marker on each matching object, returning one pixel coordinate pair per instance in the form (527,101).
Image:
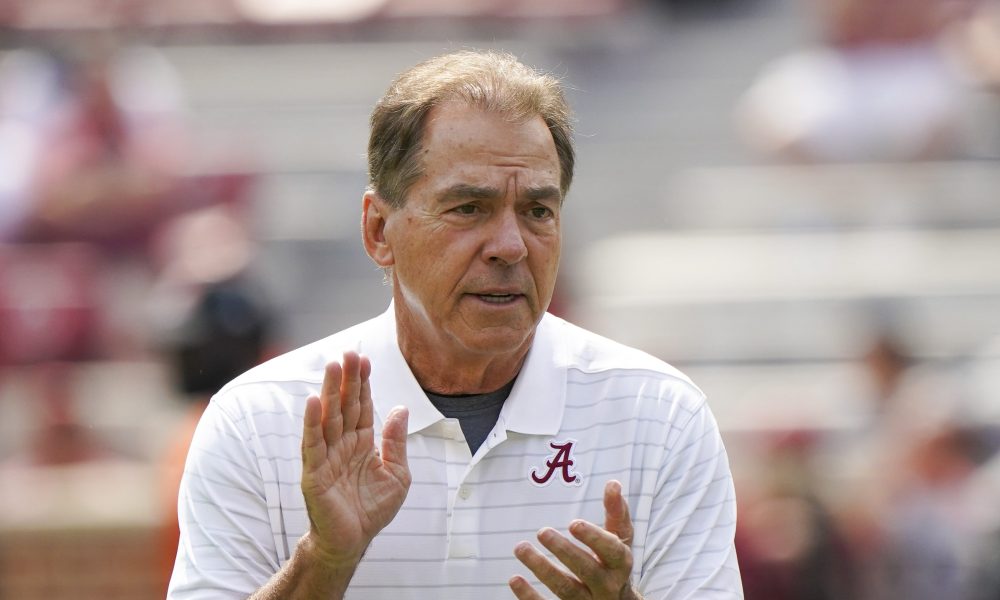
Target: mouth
(498,298)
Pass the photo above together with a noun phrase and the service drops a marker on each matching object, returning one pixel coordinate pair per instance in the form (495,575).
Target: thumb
(617,519)
(394,436)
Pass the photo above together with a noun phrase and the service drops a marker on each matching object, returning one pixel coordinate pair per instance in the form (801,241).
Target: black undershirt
(476,413)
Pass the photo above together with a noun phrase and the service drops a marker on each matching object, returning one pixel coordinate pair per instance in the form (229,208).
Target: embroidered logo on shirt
(561,462)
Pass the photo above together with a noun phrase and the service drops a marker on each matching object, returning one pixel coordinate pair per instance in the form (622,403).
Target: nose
(506,240)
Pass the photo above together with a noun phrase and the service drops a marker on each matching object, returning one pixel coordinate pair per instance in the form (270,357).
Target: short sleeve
(226,545)
(689,545)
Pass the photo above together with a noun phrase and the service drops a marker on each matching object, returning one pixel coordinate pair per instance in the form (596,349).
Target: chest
(464,514)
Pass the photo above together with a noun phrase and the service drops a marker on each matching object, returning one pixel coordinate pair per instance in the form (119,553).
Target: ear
(374,213)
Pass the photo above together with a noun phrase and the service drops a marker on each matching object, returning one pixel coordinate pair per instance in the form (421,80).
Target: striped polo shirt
(583,410)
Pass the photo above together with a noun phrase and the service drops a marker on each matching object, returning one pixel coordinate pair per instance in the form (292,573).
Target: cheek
(544,270)
(411,243)
(545,253)
(429,264)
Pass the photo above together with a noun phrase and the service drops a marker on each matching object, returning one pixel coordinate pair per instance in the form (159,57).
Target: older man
(411,456)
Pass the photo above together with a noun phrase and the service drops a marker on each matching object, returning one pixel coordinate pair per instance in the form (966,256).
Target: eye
(466,209)
(540,212)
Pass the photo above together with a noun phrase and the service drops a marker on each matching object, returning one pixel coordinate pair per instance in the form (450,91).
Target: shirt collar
(393,384)
(535,405)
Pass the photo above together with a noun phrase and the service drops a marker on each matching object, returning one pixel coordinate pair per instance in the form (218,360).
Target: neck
(443,363)
(447,374)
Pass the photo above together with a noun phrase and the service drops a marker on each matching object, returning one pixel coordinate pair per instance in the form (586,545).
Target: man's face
(475,248)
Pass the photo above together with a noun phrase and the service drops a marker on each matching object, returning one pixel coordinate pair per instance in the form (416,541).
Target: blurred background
(797,202)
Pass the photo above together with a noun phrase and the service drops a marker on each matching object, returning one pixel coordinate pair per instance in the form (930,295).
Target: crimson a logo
(561,462)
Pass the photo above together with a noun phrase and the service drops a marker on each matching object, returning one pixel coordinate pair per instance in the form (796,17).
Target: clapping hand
(603,572)
(351,489)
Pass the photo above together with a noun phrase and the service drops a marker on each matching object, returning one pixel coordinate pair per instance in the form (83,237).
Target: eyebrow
(546,192)
(465,191)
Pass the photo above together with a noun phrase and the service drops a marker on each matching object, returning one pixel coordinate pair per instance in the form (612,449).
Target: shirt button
(464,492)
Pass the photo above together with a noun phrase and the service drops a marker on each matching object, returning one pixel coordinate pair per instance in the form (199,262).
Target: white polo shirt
(583,410)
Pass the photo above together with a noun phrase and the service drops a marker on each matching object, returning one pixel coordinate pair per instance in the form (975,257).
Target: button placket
(462,538)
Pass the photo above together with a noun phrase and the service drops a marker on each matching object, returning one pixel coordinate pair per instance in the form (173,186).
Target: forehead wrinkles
(489,183)
(463,189)
(484,151)
(465,146)
(470,129)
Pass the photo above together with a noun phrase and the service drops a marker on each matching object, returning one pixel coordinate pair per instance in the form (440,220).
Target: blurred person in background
(409,456)
(99,154)
(877,87)
(975,43)
(928,526)
(228,330)
(95,155)
(96,145)
(984,579)
(96,139)
(118,153)
(212,321)
(789,544)
(982,488)
(91,142)
(901,482)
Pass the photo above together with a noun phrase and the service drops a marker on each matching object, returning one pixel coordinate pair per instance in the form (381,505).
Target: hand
(602,573)
(351,491)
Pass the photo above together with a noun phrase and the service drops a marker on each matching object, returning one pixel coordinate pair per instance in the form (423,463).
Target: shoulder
(292,376)
(589,353)
(606,373)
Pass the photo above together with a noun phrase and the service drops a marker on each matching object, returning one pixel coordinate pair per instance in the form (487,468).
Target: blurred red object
(49,303)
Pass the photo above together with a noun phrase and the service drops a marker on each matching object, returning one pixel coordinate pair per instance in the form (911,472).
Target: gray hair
(494,81)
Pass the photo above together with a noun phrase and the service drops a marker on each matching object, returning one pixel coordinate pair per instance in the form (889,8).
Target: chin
(498,340)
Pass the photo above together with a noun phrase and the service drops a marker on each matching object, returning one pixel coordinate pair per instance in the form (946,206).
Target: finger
(522,589)
(605,573)
(333,420)
(611,551)
(580,562)
(555,578)
(366,418)
(394,437)
(313,443)
(617,518)
(350,391)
